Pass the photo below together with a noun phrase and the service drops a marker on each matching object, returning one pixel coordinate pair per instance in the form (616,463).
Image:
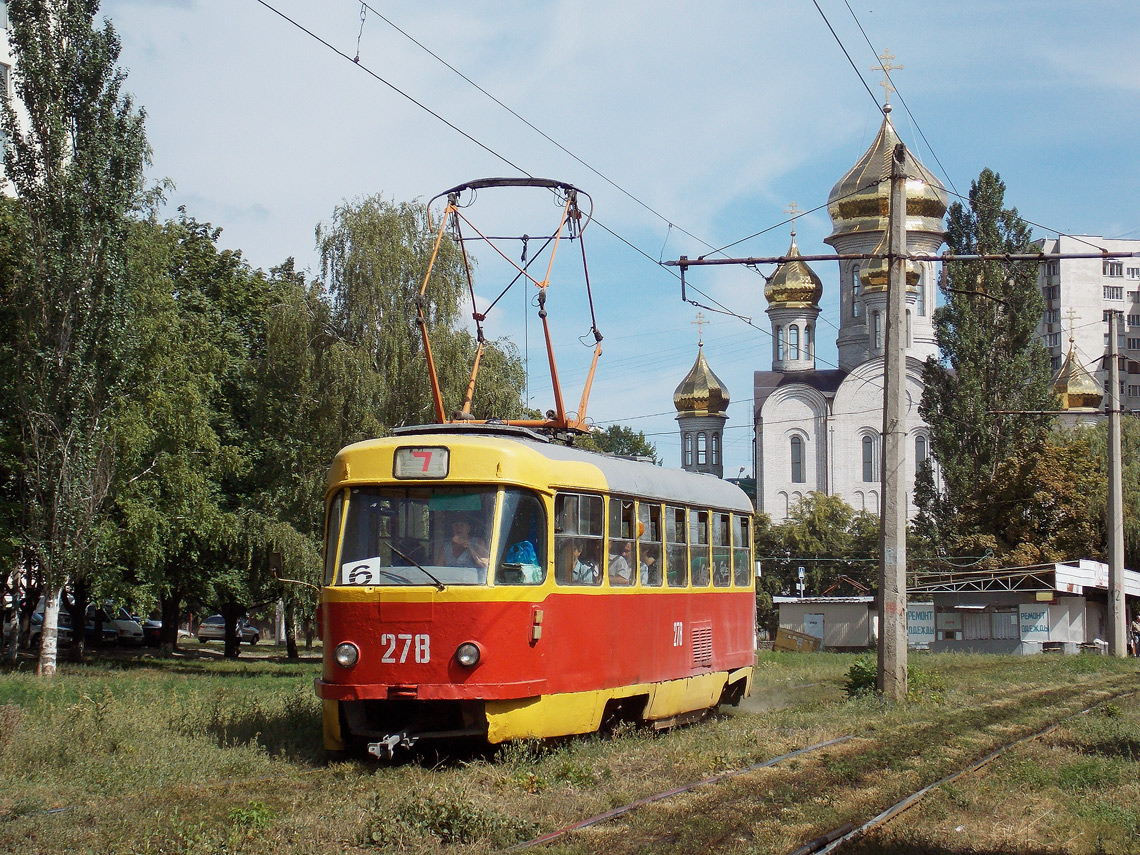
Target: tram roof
(621,475)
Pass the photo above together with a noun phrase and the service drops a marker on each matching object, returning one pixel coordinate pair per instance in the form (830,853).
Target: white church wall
(793,411)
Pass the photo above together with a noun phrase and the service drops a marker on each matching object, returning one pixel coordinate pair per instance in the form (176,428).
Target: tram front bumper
(427,691)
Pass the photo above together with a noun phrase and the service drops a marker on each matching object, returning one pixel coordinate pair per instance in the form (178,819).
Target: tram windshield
(435,535)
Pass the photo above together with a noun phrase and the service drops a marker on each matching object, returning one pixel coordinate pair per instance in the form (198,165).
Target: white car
(127,629)
(213,628)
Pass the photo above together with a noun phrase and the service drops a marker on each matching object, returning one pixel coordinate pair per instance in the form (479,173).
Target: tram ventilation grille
(702,645)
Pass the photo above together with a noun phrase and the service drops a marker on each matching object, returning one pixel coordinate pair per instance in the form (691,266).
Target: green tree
(622,441)
(825,536)
(838,539)
(77,167)
(1130,466)
(181,448)
(1041,504)
(374,257)
(990,360)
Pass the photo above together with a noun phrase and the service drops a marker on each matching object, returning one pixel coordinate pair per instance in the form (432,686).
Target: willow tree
(76,162)
(374,256)
(993,372)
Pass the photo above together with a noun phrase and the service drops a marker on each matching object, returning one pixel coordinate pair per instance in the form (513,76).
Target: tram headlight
(467,654)
(346,654)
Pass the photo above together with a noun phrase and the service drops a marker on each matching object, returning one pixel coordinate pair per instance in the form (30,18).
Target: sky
(691,126)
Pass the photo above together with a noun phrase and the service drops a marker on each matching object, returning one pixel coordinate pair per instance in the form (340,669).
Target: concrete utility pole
(891,681)
(1117,618)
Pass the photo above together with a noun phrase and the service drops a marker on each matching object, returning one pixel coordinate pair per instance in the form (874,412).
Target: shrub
(446,817)
(921,684)
(861,677)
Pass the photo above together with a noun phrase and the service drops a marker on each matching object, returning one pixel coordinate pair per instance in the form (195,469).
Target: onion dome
(701,393)
(860,202)
(794,284)
(1075,386)
(875,272)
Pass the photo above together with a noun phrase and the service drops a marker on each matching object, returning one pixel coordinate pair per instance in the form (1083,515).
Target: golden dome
(860,202)
(1076,387)
(794,284)
(701,393)
(875,272)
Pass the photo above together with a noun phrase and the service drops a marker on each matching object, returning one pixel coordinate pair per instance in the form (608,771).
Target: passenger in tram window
(465,548)
(650,569)
(585,569)
(721,574)
(621,571)
(700,566)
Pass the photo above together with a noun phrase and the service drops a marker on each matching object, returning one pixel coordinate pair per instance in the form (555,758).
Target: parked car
(152,630)
(127,631)
(213,628)
(63,630)
(110,631)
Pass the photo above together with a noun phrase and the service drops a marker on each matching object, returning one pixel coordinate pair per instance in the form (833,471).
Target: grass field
(196,754)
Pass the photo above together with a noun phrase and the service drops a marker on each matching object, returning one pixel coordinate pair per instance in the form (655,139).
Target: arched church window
(877,328)
(920,452)
(715,443)
(794,342)
(909,338)
(780,343)
(688,449)
(798,460)
(809,345)
(855,291)
(869,474)
(920,297)
(702,449)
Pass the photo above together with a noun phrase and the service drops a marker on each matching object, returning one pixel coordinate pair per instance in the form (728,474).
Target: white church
(819,428)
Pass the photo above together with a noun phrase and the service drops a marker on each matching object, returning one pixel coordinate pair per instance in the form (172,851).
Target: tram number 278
(398,647)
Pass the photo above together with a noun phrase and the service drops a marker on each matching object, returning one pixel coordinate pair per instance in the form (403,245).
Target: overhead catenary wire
(712,304)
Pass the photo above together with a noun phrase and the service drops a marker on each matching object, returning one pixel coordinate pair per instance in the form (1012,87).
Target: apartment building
(1080,295)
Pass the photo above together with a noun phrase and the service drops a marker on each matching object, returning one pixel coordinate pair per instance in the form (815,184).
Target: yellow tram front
(455,605)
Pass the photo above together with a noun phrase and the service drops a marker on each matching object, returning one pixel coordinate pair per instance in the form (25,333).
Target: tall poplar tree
(991,360)
(77,164)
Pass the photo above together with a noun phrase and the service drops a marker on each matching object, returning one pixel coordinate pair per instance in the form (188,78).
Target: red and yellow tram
(483,581)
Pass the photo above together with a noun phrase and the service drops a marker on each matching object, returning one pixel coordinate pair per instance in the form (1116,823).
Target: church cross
(1072,316)
(885,57)
(794,211)
(699,323)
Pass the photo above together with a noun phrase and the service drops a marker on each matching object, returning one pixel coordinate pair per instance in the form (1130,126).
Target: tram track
(993,716)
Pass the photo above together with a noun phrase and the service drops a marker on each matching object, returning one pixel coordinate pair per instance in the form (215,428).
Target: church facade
(819,427)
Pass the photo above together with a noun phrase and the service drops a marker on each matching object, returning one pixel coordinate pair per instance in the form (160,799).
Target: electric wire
(902,100)
(719,307)
(671,225)
(843,48)
(395,88)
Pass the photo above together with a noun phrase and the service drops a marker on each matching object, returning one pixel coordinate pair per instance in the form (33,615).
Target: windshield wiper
(438,584)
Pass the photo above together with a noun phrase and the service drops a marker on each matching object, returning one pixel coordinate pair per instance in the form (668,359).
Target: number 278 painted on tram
(483,582)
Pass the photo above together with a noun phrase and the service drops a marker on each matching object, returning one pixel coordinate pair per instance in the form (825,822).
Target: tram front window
(393,535)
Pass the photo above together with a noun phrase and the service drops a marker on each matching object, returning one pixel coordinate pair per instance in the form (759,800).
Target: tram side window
(623,528)
(578,543)
(721,550)
(741,544)
(332,537)
(522,540)
(699,547)
(649,544)
(676,548)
